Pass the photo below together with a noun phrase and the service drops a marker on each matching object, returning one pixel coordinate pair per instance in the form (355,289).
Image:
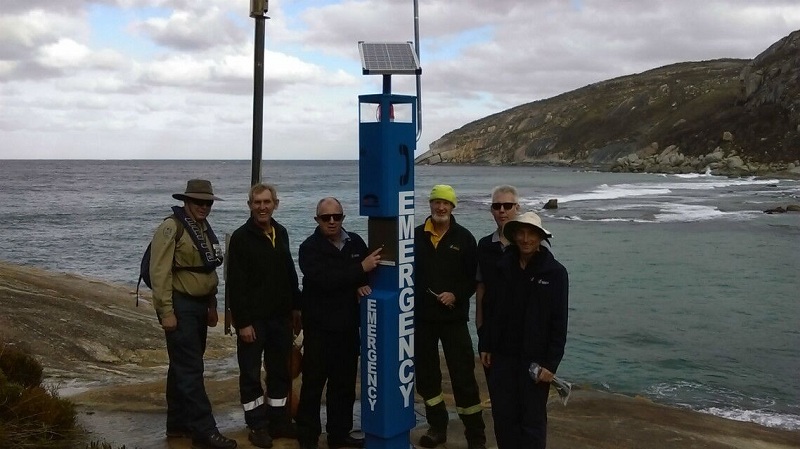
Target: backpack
(144,265)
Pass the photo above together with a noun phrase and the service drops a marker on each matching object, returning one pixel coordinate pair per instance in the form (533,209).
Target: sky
(173,79)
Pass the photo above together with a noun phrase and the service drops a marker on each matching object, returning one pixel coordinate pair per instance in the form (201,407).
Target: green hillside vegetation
(746,113)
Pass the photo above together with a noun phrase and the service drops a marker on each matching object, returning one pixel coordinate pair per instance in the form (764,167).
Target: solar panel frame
(388,58)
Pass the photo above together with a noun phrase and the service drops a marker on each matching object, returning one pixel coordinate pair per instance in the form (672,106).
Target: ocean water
(682,289)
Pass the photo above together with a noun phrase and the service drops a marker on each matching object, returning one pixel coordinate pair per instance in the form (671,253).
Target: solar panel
(388,58)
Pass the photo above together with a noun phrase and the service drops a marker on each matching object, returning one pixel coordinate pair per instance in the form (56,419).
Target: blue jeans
(188,406)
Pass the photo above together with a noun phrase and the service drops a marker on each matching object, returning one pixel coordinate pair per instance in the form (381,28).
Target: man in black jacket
(263,291)
(335,264)
(445,281)
(504,207)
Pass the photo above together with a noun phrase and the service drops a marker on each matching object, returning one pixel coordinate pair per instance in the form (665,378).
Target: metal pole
(419,84)
(258,9)
(387,85)
(258,100)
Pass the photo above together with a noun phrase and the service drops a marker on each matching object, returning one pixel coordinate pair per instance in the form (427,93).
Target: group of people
(521,317)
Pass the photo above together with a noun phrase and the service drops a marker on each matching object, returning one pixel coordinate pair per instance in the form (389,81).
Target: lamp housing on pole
(258,8)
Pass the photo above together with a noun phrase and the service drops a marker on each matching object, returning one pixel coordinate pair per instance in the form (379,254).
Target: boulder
(735,163)
(776,210)
(715,156)
(551,204)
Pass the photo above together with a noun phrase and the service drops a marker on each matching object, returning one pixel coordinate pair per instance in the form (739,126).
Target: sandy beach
(108,356)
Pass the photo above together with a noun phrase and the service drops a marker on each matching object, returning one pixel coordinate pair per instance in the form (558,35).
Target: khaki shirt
(164,250)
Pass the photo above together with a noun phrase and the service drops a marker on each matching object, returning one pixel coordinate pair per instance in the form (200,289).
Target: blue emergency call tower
(387,140)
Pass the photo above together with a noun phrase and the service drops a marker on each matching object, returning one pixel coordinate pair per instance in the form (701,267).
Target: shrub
(33,416)
(19,367)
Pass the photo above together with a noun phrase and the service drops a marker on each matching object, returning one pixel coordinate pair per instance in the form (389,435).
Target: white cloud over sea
(149,79)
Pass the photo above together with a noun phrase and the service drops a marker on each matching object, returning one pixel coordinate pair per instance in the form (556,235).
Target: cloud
(192,30)
(64,54)
(174,78)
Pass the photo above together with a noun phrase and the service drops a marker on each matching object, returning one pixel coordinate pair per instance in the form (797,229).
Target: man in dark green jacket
(446,261)
(263,292)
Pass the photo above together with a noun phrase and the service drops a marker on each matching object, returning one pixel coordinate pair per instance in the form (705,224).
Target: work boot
(433,437)
(280,424)
(260,437)
(214,440)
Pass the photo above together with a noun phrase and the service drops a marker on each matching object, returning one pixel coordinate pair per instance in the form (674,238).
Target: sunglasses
(327,217)
(207,203)
(506,206)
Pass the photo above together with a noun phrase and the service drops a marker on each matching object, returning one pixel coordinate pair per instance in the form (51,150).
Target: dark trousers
(519,405)
(188,406)
(328,357)
(460,359)
(272,346)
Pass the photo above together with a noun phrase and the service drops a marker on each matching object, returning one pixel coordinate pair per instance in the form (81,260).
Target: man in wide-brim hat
(198,189)
(184,257)
(530,220)
(528,325)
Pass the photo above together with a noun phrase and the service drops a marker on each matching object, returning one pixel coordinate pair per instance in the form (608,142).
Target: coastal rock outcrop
(84,328)
(717,162)
(781,209)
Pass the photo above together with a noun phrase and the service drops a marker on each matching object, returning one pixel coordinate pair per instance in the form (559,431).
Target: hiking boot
(285,430)
(215,440)
(338,442)
(260,437)
(433,437)
(178,432)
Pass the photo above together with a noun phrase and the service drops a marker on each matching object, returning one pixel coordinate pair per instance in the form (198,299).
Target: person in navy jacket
(335,264)
(528,325)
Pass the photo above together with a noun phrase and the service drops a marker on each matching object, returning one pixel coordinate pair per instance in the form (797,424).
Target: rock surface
(83,328)
(90,331)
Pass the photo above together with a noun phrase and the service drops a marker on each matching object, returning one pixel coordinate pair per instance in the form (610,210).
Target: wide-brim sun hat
(526,219)
(444,192)
(199,189)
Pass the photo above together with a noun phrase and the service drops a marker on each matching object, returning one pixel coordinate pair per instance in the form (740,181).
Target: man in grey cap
(184,256)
